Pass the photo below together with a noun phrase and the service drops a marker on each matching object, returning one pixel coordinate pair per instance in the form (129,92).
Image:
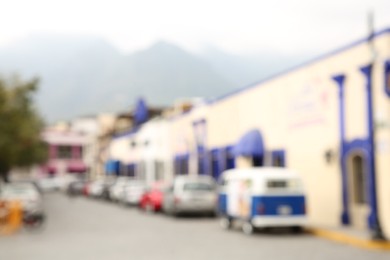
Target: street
(81,228)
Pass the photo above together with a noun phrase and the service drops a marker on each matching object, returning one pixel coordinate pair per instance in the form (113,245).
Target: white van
(261,197)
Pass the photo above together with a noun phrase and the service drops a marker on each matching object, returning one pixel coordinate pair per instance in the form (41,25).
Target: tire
(226,223)
(248,228)
(297,229)
(33,223)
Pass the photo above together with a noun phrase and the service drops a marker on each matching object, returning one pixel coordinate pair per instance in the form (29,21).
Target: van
(261,197)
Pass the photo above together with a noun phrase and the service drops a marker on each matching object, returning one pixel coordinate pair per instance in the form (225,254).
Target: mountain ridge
(87,75)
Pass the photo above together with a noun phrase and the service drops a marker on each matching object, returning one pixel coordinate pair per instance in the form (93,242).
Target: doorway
(357,174)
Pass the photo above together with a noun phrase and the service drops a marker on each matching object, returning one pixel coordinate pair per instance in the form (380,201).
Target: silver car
(132,192)
(190,194)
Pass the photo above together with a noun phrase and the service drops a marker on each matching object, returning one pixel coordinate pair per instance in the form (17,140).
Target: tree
(21,144)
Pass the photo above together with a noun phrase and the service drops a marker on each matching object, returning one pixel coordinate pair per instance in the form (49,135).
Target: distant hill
(84,75)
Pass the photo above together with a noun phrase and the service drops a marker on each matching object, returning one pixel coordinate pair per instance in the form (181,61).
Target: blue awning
(251,144)
(112,166)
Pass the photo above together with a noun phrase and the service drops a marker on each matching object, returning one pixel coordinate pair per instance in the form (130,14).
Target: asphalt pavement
(82,228)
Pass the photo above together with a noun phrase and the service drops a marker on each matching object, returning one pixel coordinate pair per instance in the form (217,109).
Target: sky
(239,26)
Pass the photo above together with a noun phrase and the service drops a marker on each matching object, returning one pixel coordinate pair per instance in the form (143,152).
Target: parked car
(75,188)
(27,194)
(152,198)
(117,189)
(107,184)
(132,192)
(262,197)
(49,184)
(95,188)
(190,194)
(86,187)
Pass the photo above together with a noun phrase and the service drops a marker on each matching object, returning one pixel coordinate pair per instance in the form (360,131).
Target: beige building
(328,119)
(322,119)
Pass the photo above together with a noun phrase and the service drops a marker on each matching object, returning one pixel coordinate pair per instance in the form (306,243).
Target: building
(329,119)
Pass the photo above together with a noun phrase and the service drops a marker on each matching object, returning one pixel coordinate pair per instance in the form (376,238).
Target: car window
(17,190)
(198,186)
(278,184)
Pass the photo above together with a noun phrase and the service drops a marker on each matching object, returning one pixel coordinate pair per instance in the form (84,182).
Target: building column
(373,218)
(340,79)
(52,151)
(76,152)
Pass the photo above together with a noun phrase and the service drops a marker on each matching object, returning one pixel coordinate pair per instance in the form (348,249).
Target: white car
(96,188)
(117,190)
(26,193)
(133,191)
(49,184)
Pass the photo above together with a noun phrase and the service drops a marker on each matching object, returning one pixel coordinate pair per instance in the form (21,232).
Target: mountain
(83,75)
(69,69)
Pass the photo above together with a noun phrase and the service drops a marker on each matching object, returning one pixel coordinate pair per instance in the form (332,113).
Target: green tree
(21,144)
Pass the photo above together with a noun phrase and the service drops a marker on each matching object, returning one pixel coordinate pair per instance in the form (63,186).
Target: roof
(319,58)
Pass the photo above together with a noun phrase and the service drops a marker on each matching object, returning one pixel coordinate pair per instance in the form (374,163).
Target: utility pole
(377,233)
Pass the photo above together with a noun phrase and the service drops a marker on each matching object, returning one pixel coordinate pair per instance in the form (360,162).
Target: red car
(152,199)
(85,190)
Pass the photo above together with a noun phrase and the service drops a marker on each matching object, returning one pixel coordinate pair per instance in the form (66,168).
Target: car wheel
(225,223)
(248,228)
(297,229)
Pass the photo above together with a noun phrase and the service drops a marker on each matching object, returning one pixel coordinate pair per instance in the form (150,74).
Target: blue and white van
(261,197)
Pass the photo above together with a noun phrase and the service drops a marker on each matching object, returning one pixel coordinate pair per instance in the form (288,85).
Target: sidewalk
(350,236)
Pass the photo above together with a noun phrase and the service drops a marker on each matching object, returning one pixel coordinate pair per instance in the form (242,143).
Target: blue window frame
(131,170)
(181,164)
(229,158)
(215,164)
(279,158)
(387,78)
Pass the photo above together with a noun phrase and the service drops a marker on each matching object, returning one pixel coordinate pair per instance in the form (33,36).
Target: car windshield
(17,190)
(198,186)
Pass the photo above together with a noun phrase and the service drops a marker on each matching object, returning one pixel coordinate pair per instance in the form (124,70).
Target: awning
(76,166)
(50,168)
(112,166)
(251,144)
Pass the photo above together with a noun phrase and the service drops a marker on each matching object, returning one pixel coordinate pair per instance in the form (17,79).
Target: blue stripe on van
(222,204)
(269,205)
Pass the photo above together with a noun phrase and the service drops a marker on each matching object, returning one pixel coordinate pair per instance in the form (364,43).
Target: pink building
(65,152)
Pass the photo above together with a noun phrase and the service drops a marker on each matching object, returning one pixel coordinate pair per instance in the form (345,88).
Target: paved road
(85,229)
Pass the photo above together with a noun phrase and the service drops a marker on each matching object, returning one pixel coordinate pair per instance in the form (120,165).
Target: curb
(349,240)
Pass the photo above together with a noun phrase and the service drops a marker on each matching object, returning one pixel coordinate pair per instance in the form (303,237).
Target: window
(181,164)
(64,152)
(215,167)
(291,185)
(278,158)
(387,78)
(131,170)
(277,184)
(198,186)
(257,161)
(229,157)
(203,162)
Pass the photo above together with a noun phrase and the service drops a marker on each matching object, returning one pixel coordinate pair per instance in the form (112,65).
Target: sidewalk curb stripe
(350,240)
